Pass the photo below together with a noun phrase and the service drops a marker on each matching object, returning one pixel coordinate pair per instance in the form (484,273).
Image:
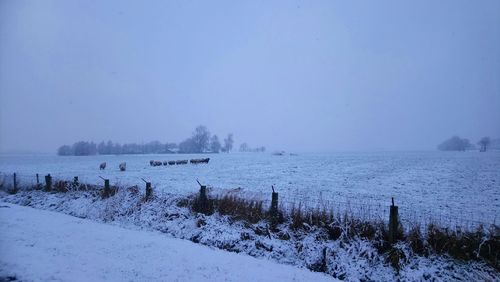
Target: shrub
(61,186)
(466,245)
(237,208)
(317,217)
(415,240)
(240,209)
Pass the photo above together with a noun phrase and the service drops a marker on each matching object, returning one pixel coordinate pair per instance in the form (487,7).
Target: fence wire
(366,210)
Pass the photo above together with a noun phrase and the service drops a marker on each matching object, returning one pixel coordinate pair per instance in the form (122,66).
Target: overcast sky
(293,75)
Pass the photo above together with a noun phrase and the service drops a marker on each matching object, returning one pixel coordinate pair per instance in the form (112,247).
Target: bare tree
(244,147)
(484,143)
(455,143)
(65,150)
(187,146)
(215,145)
(228,143)
(201,137)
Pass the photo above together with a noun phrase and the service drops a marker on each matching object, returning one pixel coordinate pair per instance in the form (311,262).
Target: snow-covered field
(451,187)
(38,245)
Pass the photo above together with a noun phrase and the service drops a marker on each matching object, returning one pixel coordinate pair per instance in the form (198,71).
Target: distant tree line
(201,141)
(245,148)
(83,148)
(456,143)
(80,148)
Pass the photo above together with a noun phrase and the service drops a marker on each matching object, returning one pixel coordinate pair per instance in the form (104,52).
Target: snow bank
(46,246)
(350,258)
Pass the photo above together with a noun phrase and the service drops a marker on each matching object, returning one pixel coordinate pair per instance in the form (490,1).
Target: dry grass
(237,208)
(472,245)
(480,244)
(466,245)
(416,240)
(240,209)
(302,218)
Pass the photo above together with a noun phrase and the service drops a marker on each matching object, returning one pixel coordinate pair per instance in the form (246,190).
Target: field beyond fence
(410,216)
(384,225)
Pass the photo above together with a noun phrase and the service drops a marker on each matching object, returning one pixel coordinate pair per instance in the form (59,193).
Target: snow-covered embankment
(45,246)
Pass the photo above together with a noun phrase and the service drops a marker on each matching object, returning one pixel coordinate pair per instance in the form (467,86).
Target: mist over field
(249,140)
(289,75)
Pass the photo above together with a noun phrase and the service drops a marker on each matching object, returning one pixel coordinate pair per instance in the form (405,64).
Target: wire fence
(410,215)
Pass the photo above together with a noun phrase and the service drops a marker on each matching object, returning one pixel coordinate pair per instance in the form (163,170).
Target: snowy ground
(38,245)
(453,188)
(348,257)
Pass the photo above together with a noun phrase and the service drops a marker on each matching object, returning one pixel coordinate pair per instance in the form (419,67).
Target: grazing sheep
(123,166)
(199,161)
(155,163)
(102,166)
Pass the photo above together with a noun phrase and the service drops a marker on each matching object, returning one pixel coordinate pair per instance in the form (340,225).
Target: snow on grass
(352,258)
(452,187)
(40,245)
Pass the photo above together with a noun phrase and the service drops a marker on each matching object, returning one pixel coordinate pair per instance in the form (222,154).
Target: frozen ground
(348,257)
(38,245)
(455,188)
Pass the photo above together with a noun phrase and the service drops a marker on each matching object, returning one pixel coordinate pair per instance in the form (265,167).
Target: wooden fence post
(107,190)
(203,194)
(393,223)
(48,182)
(203,204)
(149,190)
(273,211)
(15,182)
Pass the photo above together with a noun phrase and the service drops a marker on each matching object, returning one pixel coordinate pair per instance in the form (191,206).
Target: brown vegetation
(472,245)
(480,244)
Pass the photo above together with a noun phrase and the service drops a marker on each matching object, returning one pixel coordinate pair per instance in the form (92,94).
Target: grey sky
(304,75)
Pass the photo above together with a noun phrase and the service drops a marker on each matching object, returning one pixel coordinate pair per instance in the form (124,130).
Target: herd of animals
(123,166)
(181,162)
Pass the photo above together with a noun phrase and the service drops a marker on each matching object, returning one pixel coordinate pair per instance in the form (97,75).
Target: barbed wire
(410,215)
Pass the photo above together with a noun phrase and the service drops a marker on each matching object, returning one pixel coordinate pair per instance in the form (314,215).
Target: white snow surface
(451,188)
(350,258)
(38,245)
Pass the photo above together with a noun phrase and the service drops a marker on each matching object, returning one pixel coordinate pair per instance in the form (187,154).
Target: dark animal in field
(102,166)
(279,153)
(123,166)
(200,161)
(155,163)
(179,162)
